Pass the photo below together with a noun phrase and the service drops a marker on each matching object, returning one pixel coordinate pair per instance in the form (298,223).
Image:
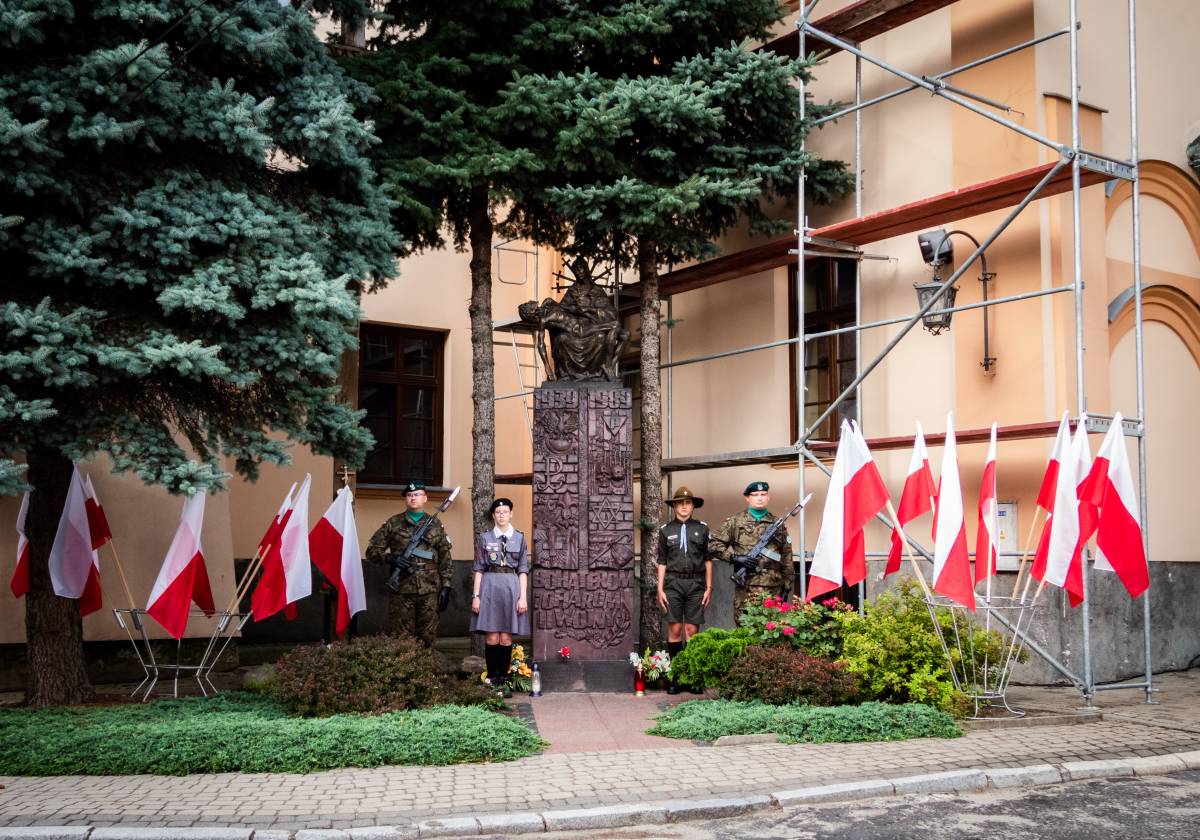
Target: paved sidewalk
(403,795)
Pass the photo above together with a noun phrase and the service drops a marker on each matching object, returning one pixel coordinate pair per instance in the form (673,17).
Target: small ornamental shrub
(707,720)
(708,656)
(814,628)
(371,674)
(896,652)
(776,675)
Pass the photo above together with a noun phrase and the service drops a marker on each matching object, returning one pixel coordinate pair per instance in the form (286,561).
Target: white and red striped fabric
(183,577)
(272,534)
(1081,454)
(916,499)
(286,576)
(1109,485)
(334,549)
(20,577)
(74,564)
(1061,534)
(987,533)
(97,521)
(1045,498)
(951,563)
(856,494)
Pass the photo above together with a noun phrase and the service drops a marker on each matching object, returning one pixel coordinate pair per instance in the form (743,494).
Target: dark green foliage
(194,223)
(710,719)
(370,674)
(896,652)
(248,734)
(779,674)
(709,655)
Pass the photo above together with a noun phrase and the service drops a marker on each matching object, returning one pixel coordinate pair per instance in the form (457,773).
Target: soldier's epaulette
(702,522)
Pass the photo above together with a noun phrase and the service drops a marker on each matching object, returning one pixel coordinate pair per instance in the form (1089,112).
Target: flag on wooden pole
(951,563)
(987,533)
(286,576)
(1109,485)
(20,577)
(1045,498)
(916,499)
(183,577)
(97,521)
(856,494)
(1061,534)
(334,548)
(74,564)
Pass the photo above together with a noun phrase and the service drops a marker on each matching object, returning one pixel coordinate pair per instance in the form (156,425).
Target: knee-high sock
(673,649)
(505,660)
(490,658)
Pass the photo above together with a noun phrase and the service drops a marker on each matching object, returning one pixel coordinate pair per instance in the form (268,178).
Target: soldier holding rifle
(416,549)
(759,571)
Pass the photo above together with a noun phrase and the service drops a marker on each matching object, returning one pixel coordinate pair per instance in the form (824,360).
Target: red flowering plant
(813,628)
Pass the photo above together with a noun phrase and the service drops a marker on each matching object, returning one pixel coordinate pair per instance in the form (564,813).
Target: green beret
(413,487)
(756,487)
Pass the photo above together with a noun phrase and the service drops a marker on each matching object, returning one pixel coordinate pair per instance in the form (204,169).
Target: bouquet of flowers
(519,672)
(654,665)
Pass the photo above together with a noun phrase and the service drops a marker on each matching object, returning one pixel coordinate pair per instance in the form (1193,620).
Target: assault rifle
(402,564)
(748,564)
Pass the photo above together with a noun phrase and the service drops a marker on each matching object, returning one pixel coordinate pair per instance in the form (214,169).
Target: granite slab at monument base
(583,585)
(595,675)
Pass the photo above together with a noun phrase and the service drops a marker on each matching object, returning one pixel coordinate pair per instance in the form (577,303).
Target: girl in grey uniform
(499,606)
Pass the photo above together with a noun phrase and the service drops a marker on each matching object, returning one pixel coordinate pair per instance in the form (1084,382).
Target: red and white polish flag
(1109,485)
(1045,498)
(74,564)
(951,563)
(1081,454)
(272,534)
(183,577)
(97,521)
(987,533)
(20,577)
(1061,534)
(286,576)
(856,494)
(916,499)
(333,546)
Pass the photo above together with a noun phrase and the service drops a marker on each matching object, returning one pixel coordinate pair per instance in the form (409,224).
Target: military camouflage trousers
(753,594)
(416,615)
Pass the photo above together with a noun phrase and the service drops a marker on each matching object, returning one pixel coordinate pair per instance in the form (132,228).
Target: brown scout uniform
(413,610)
(737,535)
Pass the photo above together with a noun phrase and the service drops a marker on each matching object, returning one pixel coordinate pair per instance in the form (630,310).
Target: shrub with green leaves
(248,734)
(895,650)
(371,674)
(711,719)
(709,655)
(814,628)
(778,674)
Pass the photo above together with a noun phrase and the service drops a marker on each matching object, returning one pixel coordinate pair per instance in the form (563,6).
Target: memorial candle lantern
(639,682)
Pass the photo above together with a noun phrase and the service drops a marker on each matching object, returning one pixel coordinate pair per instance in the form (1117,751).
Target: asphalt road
(1159,807)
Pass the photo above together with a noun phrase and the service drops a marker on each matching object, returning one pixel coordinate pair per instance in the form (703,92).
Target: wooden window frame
(401,380)
(818,321)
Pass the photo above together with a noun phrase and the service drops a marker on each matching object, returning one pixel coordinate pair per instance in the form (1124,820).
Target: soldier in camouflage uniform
(738,535)
(425,592)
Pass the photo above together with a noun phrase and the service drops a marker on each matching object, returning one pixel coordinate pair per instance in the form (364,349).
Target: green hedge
(709,719)
(245,733)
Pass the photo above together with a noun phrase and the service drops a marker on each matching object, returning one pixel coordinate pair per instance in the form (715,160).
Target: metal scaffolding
(1074,169)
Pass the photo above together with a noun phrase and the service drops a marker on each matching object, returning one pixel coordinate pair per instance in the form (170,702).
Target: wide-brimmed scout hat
(684,495)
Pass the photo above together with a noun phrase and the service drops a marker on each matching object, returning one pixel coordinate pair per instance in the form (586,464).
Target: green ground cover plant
(710,719)
(246,733)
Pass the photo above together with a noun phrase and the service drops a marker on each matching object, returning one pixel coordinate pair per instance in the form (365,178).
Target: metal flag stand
(132,621)
(981,659)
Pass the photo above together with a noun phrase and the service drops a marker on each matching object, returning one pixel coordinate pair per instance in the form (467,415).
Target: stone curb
(653,813)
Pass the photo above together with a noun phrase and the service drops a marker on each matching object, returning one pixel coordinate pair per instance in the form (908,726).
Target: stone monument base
(594,675)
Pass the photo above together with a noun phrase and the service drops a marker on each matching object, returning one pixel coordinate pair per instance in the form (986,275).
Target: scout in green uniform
(684,573)
(425,592)
(738,534)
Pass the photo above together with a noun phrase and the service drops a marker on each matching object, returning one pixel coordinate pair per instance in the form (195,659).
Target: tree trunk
(483,390)
(53,628)
(652,496)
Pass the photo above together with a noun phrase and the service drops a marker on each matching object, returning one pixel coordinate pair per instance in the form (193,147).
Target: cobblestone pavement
(400,795)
